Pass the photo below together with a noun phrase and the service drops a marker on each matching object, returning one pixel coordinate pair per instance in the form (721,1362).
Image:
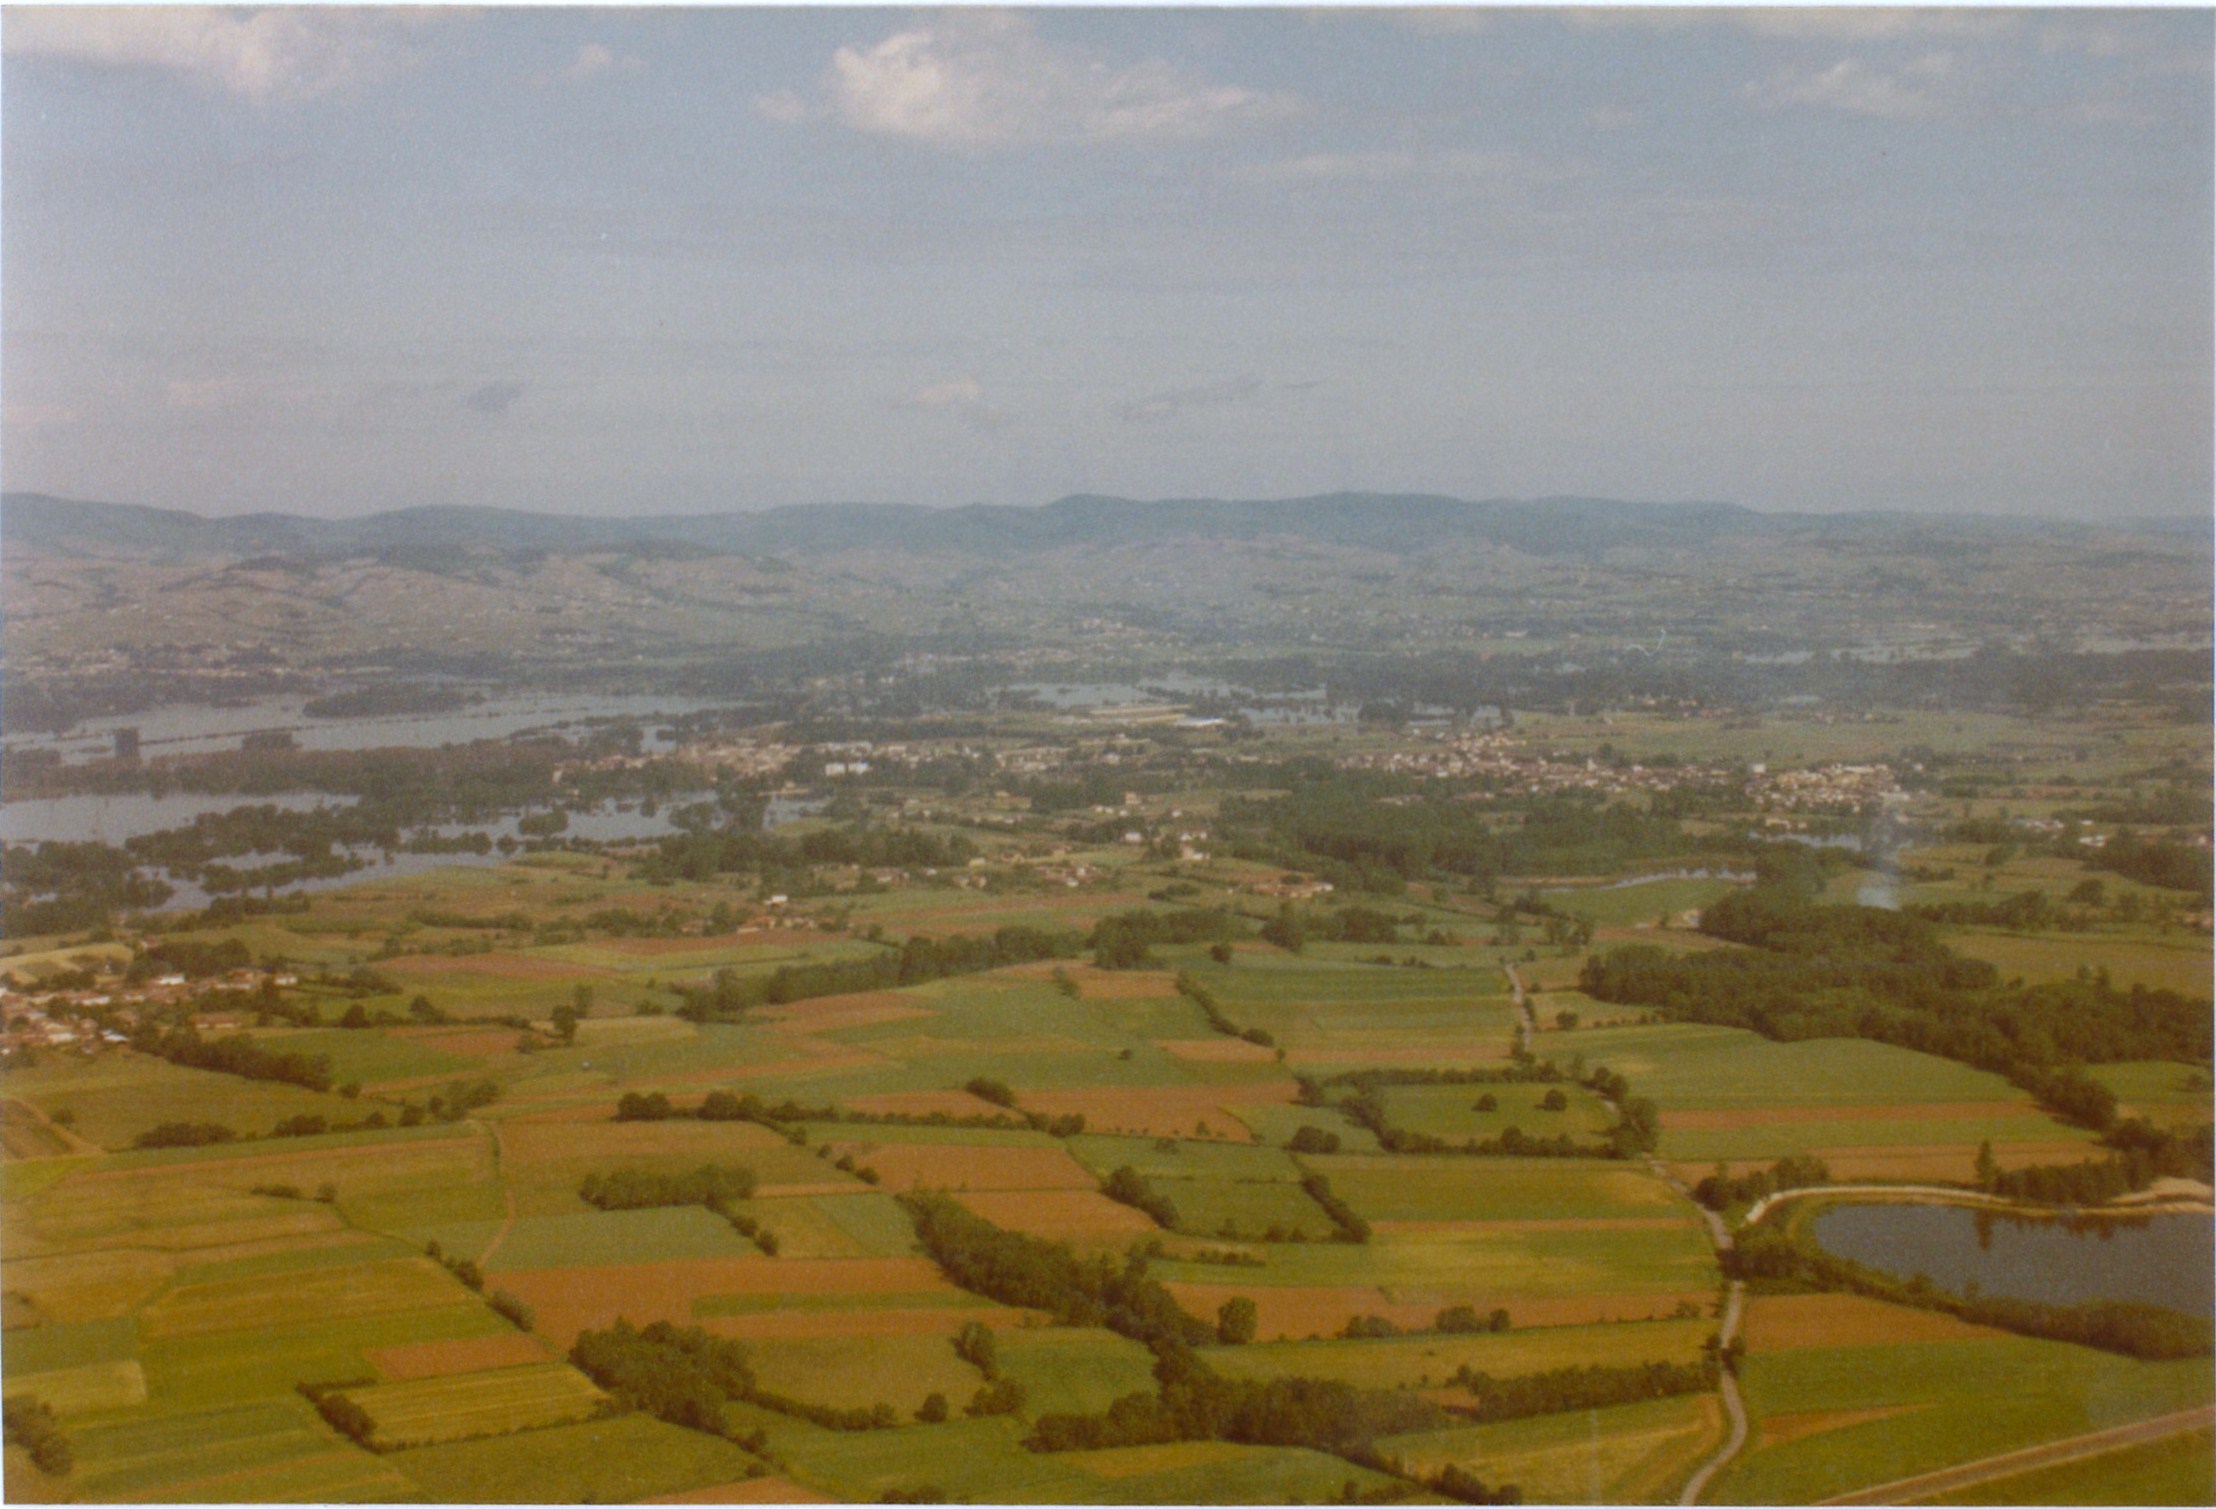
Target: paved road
(1734,1407)
(2054,1453)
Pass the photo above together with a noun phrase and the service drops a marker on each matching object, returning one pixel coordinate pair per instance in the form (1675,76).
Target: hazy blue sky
(332,261)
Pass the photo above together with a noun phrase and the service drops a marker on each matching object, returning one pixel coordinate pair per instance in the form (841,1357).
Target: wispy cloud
(1919,88)
(35,416)
(273,55)
(961,397)
(493,399)
(1160,406)
(1401,165)
(987,79)
(1810,23)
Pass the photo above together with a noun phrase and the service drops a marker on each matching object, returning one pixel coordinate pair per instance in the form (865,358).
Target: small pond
(2167,1260)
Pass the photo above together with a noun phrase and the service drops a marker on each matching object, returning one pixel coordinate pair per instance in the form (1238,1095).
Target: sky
(629,261)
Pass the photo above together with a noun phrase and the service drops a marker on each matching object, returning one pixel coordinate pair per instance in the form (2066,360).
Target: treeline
(2154,862)
(1846,971)
(1125,940)
(1636,1132)
(1032,1274)
(729,995)
(1590,1387)
(238,1054)
(1795,1171)
(1770,1255)
(1127,1186)
(1212,1009)
(717,1186)
(31,1424)
(683,1375)
(1341,825)
(70,887)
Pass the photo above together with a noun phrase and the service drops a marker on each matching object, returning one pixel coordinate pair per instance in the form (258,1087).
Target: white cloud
(283,54)
(1918,88)
(984,79)
(593,60)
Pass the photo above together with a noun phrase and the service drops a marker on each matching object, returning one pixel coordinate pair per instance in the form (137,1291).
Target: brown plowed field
(771,1490)
(1216,1050)
(803,1325)
(1171,1111)
(826,1013)
(569,1300)
(1459,1053)
(1061,1214)
(1782,1322)
(922,1103)
(494,967)
(958,1165)
(543,1141)
(473,1354)
(500,1044)
(1779,1429)
(1510,1228)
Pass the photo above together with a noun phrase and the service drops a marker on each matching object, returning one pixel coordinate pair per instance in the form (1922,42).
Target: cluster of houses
(1501,757)
(91,1018)
(1823,788)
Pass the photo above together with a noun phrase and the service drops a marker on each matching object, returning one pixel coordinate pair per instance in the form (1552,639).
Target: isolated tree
(1235,1321)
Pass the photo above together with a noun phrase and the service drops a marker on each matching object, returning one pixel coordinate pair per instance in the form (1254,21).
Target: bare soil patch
(569,1300)
(1783,1322)
(969,1166)
(802,1325)
(1216,1050)
(473,1354)
(1170,1111)
(1779,1429)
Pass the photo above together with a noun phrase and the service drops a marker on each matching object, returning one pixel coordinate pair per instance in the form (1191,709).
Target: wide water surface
(2167,1260)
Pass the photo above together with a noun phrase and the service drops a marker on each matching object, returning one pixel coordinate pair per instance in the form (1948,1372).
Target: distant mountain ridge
(1393,522)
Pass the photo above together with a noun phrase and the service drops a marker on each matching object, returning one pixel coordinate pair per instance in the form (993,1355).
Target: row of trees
(729,995)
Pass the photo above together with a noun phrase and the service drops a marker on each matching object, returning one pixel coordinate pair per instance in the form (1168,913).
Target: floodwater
(202,729)
(112,819)
(2167,1260)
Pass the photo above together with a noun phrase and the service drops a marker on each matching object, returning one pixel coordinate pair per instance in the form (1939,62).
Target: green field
(1447,1188)
(1934,1404)
(2180,1470)
(1628,1454)
(600,1461)
(427,1411)
(1431,1360)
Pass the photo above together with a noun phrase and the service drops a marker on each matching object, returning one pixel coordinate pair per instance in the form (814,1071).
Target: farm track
(1727,1383)
(508,1199)
(1942,1194)
(1526,1025)
(2052,1454)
